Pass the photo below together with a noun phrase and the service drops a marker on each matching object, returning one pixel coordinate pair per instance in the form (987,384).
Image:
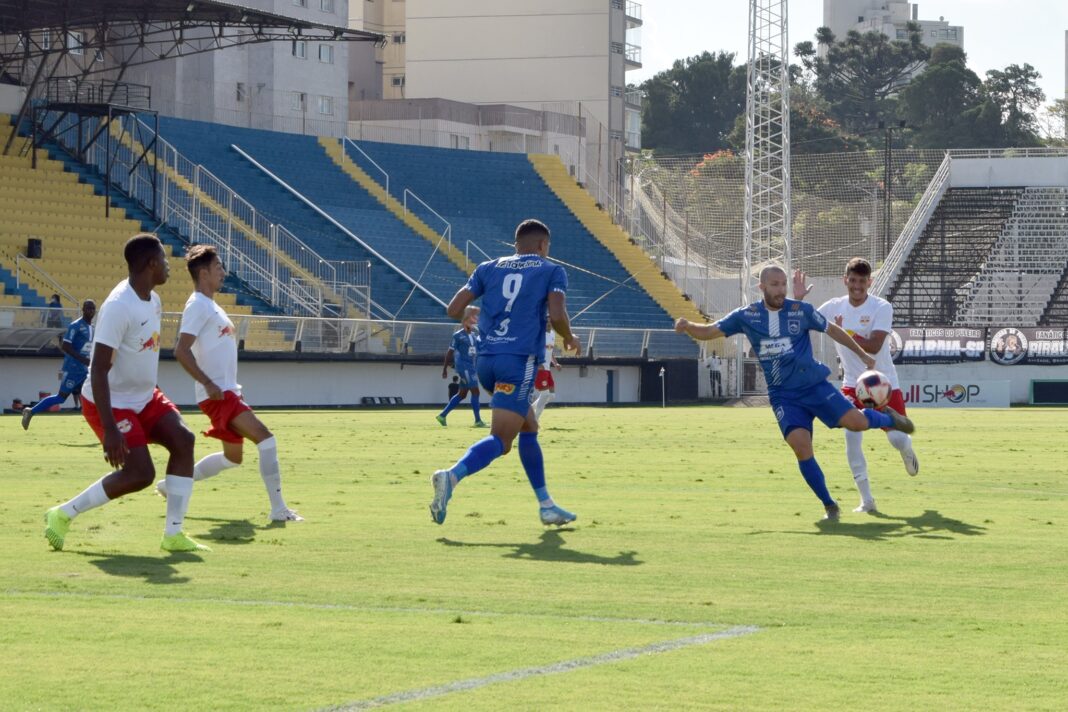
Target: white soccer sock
(91,498)
(857,464)
(271,472)
(544,399)
(211,465)
(179,490)
(901,441)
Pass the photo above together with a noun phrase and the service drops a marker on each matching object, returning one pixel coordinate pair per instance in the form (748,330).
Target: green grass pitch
(692,520)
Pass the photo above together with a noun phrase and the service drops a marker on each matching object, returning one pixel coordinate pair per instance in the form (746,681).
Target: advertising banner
(937,344)
(960,394)
(1033,346)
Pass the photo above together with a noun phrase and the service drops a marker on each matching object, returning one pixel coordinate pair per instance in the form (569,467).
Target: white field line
(474,683)
(17,593)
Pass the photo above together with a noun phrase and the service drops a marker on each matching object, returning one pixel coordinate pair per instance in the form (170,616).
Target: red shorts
(897,399)
(222,412)
(136,427)
(544,380)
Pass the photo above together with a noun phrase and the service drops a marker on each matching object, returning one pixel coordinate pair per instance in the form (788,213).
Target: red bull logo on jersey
(504,388)
(226,330)
(124,426)
(151,342)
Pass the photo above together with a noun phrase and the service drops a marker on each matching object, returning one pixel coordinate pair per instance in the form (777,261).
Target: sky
(1032,31)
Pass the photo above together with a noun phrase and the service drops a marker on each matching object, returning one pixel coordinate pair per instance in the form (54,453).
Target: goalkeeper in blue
(516,293)
(798,388)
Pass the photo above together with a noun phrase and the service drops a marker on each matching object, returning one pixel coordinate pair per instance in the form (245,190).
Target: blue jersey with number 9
(515,291)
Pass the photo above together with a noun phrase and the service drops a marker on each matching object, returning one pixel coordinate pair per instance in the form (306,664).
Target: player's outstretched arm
(839,335)
(183,354)
(561,322)
(115,448)
(701,332)
(459,302)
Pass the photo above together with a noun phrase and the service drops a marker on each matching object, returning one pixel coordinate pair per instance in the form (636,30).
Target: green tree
(860,75)
(944,105)
(1016,92)
(692,106)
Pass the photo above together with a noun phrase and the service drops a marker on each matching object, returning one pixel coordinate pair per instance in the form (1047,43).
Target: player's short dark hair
(140,250)
(858,266)
(532,228)
(199,257)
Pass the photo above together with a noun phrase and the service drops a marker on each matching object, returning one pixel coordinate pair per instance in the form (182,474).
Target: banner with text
(937,344)
(1032,346)
(963,394)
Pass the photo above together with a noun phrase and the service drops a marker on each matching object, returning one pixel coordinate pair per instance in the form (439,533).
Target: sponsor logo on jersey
(505,388)
(793,327)
(151,342)
(226,330)
(124,426)
(771,348)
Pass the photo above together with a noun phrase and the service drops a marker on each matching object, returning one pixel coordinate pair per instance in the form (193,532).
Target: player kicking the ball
(868,320)
(123,406)
(777,329)
(515,291)
(207,350)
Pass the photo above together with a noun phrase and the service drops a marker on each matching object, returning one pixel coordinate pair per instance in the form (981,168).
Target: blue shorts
(797,409)
(71,381)
(467,374)
(510,378)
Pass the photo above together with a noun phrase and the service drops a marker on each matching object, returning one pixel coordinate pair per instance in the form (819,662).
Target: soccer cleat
(912,463)
(832,513)
(441,421)
(27,416)
(866,507)
(442,484)
(556,515)
(900,422)
(180,542)
(161,488)
(57,523)
(480,424)
(285,515)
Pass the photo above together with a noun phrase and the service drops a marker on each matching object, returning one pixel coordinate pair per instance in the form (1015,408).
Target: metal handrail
(447,233)
(467,251)
(325,215)
(21,259)
(364,154)
(913,228)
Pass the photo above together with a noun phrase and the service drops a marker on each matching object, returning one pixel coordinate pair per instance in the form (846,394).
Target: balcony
(633,14)
(633,55)
(634,98)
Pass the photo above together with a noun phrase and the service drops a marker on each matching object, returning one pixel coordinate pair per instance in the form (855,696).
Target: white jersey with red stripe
(874,314)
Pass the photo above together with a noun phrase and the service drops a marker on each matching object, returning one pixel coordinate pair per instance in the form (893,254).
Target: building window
(300,49)
(326,5)
(99,56)
(326,105)
(326,53)
(297,99)
(400,37)
(240,95)
(75,42)
(398,81)
(300,3)
(46,40)
(458,141)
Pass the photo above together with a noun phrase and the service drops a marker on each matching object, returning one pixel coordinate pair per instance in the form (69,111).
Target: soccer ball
(873,389)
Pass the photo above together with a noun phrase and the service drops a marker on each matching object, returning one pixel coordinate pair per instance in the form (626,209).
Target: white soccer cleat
(285,515)
(912,463)
(866,507)
(161,488)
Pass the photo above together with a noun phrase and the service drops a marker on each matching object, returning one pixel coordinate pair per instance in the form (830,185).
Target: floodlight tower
(767,144)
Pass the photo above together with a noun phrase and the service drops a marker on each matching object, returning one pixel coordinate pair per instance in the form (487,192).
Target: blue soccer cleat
(442,484)
(556,515)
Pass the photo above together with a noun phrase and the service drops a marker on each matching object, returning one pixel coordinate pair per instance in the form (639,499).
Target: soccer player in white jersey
(544,384)
(207,350)
(868,319)
(125,408)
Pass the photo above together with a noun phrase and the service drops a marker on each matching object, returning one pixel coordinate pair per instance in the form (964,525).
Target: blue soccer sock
(877,419)
(453,402)
(475,407)
(533,464)
(478,456)
(47,403)
(810,470)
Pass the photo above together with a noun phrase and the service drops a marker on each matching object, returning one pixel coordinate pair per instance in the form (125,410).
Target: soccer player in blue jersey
(798,388)
(463,352)
(76,346)
(515,292)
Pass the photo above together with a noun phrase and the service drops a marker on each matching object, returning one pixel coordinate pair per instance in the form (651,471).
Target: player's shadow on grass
(550,547)
(153,569)
(229,531)
(929,525)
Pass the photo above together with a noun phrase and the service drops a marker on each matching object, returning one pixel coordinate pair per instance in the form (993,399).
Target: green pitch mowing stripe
(556,668)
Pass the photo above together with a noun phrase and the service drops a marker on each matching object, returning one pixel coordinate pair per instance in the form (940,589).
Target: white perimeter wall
(310,383)
(1008,172)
